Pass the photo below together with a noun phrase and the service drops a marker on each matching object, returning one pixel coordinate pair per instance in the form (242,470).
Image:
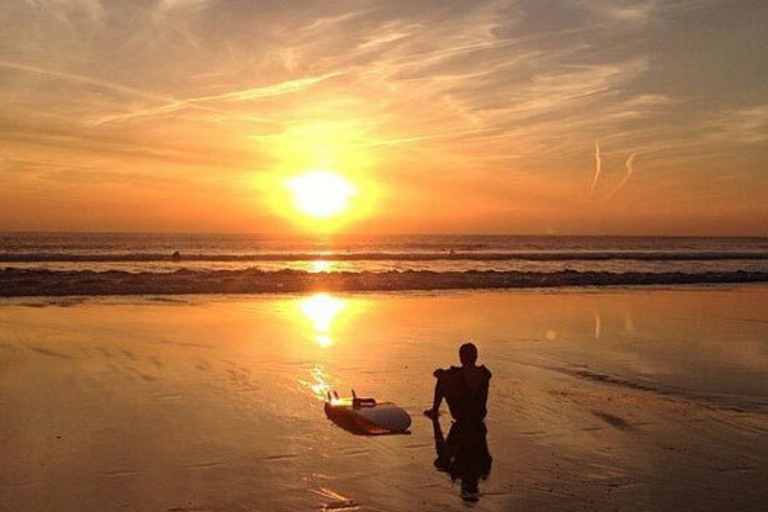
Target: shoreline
(155,299)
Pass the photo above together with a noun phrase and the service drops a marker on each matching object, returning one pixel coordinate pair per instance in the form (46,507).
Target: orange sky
(449,117)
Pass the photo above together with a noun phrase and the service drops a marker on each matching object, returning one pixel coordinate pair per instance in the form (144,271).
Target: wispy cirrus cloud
(629,165)
(498,92)
(267,91)
(250,94)
(64,75)
(598,169)
(626,12)
(746,125)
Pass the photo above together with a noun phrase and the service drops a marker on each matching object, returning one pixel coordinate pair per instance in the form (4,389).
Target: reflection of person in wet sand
(464,455)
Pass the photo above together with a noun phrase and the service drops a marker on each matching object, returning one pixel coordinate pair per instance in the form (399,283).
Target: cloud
(633,12)
(267,91)
(630,170)
(63,75)
(251,94)
(493,91)
(746,125)
(420,138)
(598,168)
(66,10)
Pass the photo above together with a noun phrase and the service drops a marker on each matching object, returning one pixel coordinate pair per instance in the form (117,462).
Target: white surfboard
(364,416)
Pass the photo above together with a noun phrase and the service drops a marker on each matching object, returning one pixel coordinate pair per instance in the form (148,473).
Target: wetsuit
(466,400)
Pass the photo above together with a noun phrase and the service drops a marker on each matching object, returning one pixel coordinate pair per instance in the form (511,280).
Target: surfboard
(364,416)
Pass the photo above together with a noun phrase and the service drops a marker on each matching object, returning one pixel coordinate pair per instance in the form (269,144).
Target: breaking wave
(387,256)
(41,282)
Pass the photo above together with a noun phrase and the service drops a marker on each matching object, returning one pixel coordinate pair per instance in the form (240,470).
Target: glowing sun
(321,194)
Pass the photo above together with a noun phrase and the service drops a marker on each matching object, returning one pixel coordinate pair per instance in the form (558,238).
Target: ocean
(470,261)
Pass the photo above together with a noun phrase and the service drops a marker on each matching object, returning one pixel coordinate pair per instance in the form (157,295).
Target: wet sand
(628,399)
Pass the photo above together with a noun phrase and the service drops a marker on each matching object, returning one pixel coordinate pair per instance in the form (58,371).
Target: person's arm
(439,394)
(483,395)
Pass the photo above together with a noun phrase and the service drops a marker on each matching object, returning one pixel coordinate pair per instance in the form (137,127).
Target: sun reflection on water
(321,266)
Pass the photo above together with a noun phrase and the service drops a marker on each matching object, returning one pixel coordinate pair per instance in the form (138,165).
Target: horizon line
(377,234)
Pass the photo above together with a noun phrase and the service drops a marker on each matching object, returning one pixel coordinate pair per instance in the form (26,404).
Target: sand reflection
(322,309)
(320,317)
(319,384)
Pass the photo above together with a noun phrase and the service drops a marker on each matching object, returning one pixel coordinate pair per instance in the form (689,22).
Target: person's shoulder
(486,372)
(444,372)
(439,372)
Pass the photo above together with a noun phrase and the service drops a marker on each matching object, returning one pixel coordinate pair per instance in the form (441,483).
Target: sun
(321,194)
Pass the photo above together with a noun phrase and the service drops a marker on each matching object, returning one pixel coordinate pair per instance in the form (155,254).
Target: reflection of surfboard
(363,416)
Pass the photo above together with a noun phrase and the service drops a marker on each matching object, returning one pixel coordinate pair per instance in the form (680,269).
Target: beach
(248,249)
(642,398)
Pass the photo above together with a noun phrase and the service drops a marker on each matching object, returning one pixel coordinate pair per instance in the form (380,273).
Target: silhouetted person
(464,455)
(464,388)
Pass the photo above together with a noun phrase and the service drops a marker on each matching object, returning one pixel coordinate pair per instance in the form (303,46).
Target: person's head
(468,354)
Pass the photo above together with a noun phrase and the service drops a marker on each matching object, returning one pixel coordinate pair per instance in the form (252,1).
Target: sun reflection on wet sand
(321,309)
(598,325)
(319,385)
(320,316)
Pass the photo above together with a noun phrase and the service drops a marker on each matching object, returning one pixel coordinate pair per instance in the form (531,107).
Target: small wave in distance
(36,282)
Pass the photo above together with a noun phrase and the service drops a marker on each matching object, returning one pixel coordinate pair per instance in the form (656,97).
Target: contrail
(598,168)
(170,104)
(625,179)
(268,90)
(419,138)
(81,78)
(254,93)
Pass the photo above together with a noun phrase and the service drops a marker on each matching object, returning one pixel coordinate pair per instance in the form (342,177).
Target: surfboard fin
(362,402)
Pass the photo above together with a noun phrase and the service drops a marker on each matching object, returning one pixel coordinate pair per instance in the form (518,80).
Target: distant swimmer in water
(464,388)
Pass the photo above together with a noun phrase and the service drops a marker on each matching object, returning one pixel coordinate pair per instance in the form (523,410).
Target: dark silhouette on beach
(464,454)
(464,388)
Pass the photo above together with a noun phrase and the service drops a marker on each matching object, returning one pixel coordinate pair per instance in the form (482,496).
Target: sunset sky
(564,117)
